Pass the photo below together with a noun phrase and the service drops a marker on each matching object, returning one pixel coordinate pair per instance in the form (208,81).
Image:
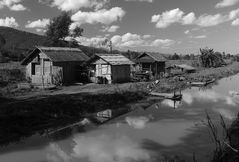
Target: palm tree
(209,58)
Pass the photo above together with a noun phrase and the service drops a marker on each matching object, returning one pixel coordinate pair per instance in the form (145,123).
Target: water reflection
(102,148)
(138,122)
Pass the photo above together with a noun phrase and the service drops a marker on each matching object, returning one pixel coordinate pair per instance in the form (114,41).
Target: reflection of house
(154,62)
(53,65)
(111,68)
(183,68)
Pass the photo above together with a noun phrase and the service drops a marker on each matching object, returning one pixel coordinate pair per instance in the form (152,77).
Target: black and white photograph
(119,80)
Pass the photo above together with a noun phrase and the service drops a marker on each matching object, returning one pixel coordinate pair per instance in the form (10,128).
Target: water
(165,128)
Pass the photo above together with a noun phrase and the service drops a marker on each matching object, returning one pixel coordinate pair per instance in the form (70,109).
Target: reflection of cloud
(108,149)
(56,154)
(137,122)
(102,148)
(226,113)
(207,95)
(171,103)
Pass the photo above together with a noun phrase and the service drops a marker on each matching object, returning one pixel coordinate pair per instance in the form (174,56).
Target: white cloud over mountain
(9,22)
(38,23)
(14,5)
(135,40)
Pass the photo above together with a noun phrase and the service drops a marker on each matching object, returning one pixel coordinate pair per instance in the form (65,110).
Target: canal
(166,129)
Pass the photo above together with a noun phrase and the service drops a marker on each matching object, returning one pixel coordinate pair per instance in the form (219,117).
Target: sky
(165,26)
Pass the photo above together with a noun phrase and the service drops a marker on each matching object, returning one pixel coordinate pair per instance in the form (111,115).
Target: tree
(209,58)
(58,30)
(175,57)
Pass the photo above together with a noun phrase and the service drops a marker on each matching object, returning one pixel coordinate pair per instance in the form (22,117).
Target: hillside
(16,39)
(18,43)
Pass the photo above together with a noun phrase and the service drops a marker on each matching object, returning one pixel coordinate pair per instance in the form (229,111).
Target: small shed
(110,68)
(55,65)
(153,62)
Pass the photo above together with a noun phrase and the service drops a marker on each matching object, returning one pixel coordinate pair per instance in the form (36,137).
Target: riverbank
(25,114)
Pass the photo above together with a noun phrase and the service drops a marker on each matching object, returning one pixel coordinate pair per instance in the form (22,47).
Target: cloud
(162,42)
(168,18)
(151,1)
(146,36)
(13,5)
(100,16)
(235,22)
(9,22)
(187,32)
(173,16)
(226,3)
(199,37)
(135,40)
(74,5)
(111,29)
(211,20)
(127,40)
(38,23)
(93,42)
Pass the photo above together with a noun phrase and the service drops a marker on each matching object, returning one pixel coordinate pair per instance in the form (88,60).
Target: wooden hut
(54,65)
(110,68)
(152,62)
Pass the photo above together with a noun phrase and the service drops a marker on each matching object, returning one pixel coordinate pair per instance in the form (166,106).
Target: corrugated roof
(60,54)
(156,56)
(115,59)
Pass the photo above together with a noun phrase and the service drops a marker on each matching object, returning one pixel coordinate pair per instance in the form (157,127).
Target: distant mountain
(18,43)
(16,39)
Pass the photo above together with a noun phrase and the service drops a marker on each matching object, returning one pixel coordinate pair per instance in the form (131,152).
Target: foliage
(58,29)
(209,58)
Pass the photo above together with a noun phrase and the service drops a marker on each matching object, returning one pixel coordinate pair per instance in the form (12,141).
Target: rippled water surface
(166,128)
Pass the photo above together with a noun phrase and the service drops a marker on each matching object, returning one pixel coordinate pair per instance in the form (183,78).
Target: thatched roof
(58,54)
(114,59)
(158,57)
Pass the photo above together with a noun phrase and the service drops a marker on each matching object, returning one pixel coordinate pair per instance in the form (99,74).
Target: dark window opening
(33,68)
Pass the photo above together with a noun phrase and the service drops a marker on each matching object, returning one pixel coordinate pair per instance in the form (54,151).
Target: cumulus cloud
(168,18)
(211,20)
(127,40)
(226,3)
(38,23)
(111,29)
(199,37)
(13,5)
(173,16)
(93,42)
(74,5)
(135,40)
(100,16)
(9,22)
(235,22)
(162,42)
(151,1)
(187,32)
